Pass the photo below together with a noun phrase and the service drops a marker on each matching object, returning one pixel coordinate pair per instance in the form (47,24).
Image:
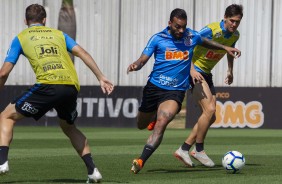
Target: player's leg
(80,144)
(7,120)
(203,95)
(206,99)
(149,105)
(145,118)
(166,112)
(66,109)
(32,103)
(182,153)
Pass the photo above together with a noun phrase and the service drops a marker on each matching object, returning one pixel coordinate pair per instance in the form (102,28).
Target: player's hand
(196,76)
(132,67)
(229,78)
(233,52)
(106,85)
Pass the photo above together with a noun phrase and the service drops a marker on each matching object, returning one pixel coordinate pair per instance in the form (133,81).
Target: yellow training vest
(45,48)
(205,58)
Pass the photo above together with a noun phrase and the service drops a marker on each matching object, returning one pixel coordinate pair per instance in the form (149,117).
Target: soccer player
(167,83)
(57,84)
(224,32)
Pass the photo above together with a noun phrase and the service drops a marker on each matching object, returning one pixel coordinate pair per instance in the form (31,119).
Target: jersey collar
(37,24)
(226,33)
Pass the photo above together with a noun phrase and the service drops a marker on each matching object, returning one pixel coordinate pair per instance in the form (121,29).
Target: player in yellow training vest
(203,91)
(56,84)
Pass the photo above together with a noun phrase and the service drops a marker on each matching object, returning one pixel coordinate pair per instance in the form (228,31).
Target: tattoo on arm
(212,44)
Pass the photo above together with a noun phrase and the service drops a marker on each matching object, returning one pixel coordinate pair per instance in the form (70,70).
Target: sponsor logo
(61,78)
(217,35)
(40,31)
(47,50)
(52,67)
(167,81)
(239,114)
(35,38)
(236,33)
(177,55)
(29,108)
(213,55)
(223,95)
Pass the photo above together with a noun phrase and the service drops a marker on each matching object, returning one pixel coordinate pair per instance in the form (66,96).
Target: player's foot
(151,126)
(202,157)
(137,165)
(184,157)
(95,177)
(4,168)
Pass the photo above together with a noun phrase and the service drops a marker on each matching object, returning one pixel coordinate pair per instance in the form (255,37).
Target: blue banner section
(241,107)
(94,108)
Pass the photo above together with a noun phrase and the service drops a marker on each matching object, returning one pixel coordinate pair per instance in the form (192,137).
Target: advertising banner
(94,108)
(241,107)
(237,107)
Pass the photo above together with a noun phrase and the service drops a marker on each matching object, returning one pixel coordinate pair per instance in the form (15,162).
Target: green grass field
(44,155)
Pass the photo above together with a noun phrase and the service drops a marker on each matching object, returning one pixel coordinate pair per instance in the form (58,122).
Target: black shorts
(208,79)
(41,98)
(153,96)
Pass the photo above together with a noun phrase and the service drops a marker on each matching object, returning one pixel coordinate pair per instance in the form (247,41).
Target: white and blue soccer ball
(233,161)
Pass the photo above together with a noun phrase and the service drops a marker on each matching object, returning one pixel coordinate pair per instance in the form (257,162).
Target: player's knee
(210,110)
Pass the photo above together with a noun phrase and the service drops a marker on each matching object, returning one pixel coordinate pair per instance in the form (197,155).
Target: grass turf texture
(44,155)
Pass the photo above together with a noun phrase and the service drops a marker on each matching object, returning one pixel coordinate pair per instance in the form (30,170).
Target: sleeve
(14,51)
(151,46)
(198,38)
(206,32)
(69,42)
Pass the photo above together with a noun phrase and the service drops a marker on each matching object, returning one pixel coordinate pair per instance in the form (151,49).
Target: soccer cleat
(202,157)
(137,165)
(96,177)
(184,157)
(4,168)
(151,126)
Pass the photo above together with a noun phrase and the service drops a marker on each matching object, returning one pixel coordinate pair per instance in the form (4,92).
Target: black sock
(199,147)
(89,163)
(3,154)
(147,152)
(185,146)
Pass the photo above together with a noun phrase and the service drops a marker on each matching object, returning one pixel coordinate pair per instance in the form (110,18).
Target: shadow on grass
(187,169)
(49,181)
(60,181)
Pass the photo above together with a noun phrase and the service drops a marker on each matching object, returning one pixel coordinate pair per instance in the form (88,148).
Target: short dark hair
(233,10)
(178,13)
(35,13)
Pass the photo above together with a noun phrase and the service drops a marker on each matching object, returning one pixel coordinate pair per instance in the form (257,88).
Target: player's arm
(146,54)
(229,77)
(137,65)
(4,73)
(235,53)
(106,85)
(11,59)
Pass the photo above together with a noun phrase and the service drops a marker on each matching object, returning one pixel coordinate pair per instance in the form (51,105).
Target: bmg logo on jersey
(29,108)
(177,55)
(47,50)
(213,55)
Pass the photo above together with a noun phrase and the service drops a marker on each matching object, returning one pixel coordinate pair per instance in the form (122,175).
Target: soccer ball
(233,161)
